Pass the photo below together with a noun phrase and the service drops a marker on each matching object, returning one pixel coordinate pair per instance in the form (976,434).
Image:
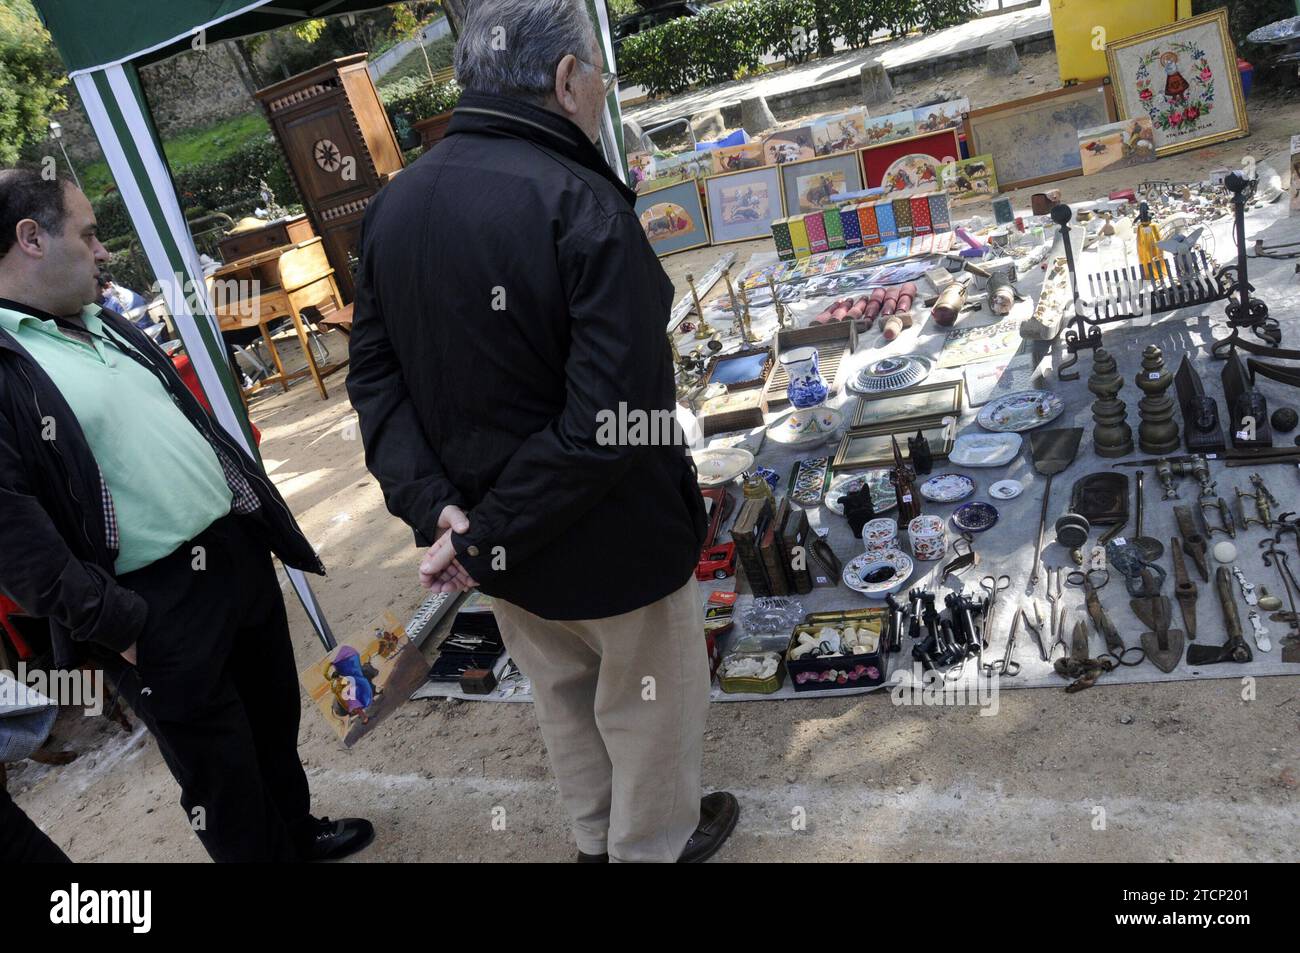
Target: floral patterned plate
(947,488)
(1021,411)
(883,497)
(890,571)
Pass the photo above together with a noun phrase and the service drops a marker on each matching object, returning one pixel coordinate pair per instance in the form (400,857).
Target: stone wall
(193,89)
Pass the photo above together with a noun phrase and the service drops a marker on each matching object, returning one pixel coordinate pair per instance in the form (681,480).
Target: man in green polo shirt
(144,534)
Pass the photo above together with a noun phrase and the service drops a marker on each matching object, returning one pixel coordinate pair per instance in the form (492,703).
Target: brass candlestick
(737,318)
(703,330)
(746,329)
(776,303)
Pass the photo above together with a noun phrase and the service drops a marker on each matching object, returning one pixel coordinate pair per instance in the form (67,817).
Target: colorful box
(920,214)
(798,236)
(885,221)
(834,233)
(940,217)
(867,223)
(816,226)
(903,216)
(781,237)
(1003,214)
(851,226)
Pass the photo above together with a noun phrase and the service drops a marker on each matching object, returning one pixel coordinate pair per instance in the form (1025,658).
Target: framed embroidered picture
(742,205)
(1184,77)
(673,217)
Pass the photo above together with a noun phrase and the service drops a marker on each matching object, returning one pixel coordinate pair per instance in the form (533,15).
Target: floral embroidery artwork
(1185,98)
(1183,77)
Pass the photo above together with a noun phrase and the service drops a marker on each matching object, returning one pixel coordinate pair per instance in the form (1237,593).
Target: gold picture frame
(1130,75)
(715,232)
(835,161)
(984,135)
(935,399)
(680,191)
(869,448)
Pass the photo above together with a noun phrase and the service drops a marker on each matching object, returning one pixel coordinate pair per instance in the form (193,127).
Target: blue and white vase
(807,389)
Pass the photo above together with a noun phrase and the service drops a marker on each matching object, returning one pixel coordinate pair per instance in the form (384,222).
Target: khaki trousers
(622,703)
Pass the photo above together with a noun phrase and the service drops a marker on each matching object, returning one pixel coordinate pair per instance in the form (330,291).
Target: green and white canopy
(103,45)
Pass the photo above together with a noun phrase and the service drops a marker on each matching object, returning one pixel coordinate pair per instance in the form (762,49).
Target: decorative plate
(1021,411)
(721,466)
(805,428)
(985,449)
(974,517)
(947,488)
(883,497)
(911,174)
(890,571)
(1006,490)
(890,373)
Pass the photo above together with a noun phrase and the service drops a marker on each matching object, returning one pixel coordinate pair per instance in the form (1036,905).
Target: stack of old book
(772,545)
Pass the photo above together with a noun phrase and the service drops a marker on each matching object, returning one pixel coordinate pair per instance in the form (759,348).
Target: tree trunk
(825,42)
(456,11)
(243,66)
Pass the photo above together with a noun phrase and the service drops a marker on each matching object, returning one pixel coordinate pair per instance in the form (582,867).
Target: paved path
(975,35)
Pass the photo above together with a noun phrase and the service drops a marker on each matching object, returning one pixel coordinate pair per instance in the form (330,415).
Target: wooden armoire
(341,149)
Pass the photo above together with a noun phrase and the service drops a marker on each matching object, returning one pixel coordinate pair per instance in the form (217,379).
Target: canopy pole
(115,105)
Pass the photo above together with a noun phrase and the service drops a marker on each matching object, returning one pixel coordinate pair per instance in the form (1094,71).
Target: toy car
(717,562)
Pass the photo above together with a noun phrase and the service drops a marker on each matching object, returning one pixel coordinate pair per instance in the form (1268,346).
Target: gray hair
(511,47)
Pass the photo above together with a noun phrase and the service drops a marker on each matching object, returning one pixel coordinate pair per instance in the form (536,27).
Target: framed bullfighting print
(673,217)
(1184,77)
(812,185)
(743,204)
(909,166)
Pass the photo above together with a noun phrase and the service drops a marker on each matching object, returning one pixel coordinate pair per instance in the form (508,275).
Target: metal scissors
(1007,665)
(992,585)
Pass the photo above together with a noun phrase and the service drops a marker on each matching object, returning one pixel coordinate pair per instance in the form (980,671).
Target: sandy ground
(1164,772)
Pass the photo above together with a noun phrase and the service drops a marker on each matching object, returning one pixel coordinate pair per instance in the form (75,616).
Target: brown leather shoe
(719,812)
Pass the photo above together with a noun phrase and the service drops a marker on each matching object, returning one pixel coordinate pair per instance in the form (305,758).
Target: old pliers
(1036,629)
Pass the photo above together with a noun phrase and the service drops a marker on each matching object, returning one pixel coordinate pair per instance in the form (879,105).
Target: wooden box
(286,231)
(834,341)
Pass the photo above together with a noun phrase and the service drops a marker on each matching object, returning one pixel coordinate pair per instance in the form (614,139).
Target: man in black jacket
(509,307)
(143,534)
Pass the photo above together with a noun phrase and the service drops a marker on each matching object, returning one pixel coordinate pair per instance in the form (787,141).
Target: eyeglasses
(608,80)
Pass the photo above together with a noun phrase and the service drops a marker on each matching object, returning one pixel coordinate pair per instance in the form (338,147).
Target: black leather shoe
(719,812)
(323,839)
(592,858)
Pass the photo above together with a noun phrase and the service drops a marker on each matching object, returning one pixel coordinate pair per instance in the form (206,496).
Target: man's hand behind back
(440,571)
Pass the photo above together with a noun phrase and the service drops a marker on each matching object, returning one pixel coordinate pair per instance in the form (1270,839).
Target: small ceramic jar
(879,535)
(928,537)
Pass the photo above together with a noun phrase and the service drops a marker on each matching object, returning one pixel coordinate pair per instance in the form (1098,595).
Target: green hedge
(229,185)
(1245,16)
(730,41)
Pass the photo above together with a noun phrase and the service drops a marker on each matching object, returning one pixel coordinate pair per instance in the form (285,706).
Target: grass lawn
(413,63)
(190,148)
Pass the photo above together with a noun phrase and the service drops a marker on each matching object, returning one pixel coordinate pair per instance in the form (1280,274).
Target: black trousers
(216,682)
(21,841)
